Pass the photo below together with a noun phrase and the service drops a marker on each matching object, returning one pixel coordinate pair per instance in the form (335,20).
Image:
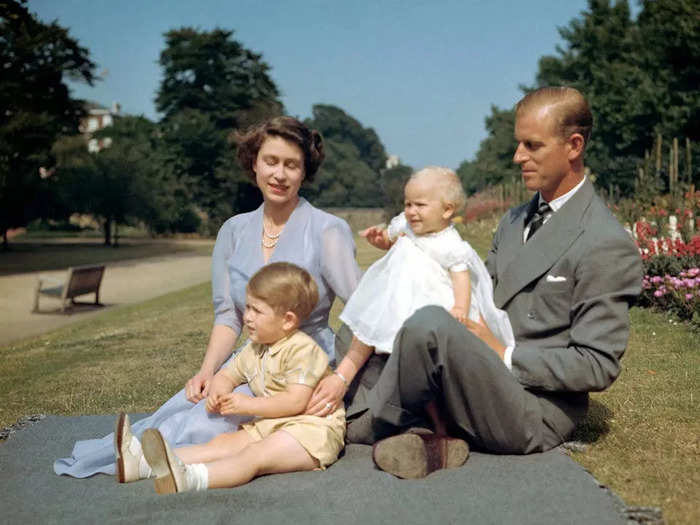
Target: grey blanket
(539,489)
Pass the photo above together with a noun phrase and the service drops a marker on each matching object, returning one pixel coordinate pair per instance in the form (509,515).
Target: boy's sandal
(168,469)
(127,461)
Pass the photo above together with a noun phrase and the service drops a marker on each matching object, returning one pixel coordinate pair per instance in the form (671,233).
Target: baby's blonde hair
(285,287)
(446,183)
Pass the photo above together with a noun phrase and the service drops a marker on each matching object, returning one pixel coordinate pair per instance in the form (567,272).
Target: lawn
(641,436)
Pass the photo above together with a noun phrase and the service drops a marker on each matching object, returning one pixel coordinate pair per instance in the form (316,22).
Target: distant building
(97,118)
(392,161)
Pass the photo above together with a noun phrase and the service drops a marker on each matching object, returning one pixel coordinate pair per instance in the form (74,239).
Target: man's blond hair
(571,111)
(285,287)
(446,183)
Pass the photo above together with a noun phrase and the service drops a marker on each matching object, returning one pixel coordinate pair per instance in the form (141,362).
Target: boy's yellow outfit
(268,369)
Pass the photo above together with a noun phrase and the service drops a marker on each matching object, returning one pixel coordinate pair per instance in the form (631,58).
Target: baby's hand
(233,403)
(460,314)
(377,237)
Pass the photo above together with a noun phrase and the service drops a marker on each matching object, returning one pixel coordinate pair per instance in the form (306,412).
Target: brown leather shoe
(412,456)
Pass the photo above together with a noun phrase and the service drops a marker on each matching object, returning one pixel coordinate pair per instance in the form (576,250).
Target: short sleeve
(338,265)
(397,226)
(225,312)
(455,255)
(305,364)
(236,369)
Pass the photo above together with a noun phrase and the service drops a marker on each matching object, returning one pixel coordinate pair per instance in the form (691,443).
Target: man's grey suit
(567,292)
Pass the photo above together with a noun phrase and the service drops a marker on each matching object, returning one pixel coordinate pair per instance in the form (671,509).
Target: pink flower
(659,293)
(688,296)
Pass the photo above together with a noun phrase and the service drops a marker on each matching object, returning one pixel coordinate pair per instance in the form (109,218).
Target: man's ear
(290,321)
(576,145)
(449,210)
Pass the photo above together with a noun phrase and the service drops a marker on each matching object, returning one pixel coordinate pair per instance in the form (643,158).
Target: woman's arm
(330,390)
(291,402)
(221,343)
(227,319)
(462,289)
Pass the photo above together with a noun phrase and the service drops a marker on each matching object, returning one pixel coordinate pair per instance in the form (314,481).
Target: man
(564,270)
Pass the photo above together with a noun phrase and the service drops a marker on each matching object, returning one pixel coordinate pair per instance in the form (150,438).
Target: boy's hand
(234,403)
(460,314)
(377,236)
(213,402)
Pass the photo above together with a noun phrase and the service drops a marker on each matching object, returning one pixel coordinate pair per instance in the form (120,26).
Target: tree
(122,183)
(211,86)
(354,159)
(36,106)
(334,124)
(493,164)
(639,76)
(393,181)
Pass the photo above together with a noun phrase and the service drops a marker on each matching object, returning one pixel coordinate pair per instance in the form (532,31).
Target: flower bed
(672,272)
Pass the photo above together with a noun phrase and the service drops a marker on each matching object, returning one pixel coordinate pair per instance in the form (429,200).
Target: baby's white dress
(415,273)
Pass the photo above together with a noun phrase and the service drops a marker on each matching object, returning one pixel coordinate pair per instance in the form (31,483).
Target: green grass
(57,254)
(641,435)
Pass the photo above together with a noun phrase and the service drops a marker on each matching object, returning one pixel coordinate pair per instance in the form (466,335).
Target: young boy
(281,365)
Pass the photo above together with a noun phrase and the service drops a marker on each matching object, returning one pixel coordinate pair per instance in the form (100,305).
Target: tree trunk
(108,231)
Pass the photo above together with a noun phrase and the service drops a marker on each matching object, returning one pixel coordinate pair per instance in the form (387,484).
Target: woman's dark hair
(309,141)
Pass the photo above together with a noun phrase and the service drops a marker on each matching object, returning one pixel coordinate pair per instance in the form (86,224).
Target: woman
(279,155)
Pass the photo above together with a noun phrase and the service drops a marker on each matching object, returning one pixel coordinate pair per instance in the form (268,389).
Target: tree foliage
(639,76)
(354,159)
(36,107)
(494,159)
(123,183)
(212,85)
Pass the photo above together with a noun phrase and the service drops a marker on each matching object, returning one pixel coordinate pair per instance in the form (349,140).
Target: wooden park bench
(80,280)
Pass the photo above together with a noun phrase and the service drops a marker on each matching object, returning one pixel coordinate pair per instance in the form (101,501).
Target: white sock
(145,470)
(197,476)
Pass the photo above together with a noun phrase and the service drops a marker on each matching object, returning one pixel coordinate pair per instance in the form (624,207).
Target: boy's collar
(275,347)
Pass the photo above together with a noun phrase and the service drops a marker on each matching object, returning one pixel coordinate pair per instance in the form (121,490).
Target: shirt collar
(273,348)
(557,203)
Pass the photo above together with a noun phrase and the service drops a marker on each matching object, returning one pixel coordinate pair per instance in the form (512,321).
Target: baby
(281,365)
(428,263)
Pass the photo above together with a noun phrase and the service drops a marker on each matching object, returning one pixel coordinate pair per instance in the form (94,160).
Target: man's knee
(425,323)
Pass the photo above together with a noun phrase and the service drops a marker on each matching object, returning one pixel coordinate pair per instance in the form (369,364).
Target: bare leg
(222,446)
(277,453)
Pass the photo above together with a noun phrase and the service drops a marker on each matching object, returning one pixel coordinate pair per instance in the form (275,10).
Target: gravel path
(124,282)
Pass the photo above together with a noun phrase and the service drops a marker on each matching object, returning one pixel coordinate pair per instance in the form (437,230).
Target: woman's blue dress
(317,241)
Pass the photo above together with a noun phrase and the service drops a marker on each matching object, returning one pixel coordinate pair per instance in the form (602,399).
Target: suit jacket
(567,292)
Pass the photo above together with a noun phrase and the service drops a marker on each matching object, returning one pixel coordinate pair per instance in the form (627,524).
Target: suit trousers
(435,358)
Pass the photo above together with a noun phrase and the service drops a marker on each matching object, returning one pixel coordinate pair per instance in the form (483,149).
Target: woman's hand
(327,395)
(197,387)
(377,237)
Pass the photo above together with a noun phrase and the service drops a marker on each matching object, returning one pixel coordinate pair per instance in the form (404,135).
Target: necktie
(537,219)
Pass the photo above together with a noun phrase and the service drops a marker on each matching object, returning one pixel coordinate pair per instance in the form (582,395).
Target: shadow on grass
(59,254)
(76,307)
(596,424)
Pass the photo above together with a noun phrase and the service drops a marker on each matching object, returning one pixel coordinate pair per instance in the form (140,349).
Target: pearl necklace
(275,238)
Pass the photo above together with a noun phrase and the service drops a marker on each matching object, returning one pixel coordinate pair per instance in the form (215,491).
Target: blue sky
(422,74)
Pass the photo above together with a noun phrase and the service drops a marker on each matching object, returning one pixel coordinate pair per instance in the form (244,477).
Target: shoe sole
(118,435)
(156,453)
(406,456)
